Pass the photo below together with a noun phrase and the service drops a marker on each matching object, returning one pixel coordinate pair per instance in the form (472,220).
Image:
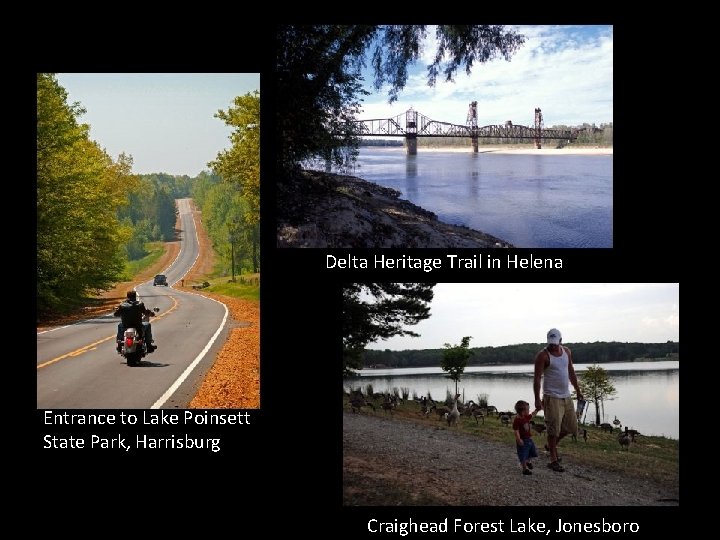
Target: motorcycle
(134,347)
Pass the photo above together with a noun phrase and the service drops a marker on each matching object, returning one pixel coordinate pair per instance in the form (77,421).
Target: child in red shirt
(523,438)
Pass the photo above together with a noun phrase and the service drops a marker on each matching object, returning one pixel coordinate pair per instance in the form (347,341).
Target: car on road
(160,279)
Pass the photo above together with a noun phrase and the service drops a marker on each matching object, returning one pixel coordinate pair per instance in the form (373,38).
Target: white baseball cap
(554,336)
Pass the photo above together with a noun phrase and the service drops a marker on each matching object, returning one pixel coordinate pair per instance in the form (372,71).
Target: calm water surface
(647,396)
(528,200)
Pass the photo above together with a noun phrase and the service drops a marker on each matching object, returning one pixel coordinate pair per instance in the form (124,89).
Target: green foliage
(319,77)
(154,250)
(225,213)
(373,311)
(455,359)
(596,387)
(151,210)
(583,353)
(240,165)
(237,232)
(201,186)
(80,241)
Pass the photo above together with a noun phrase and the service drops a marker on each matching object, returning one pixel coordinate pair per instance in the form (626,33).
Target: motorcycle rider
(131,313)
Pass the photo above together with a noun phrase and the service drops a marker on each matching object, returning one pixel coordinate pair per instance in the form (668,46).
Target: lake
(531,201)
(647,396)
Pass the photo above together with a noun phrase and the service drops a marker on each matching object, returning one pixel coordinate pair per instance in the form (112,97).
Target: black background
(289,460)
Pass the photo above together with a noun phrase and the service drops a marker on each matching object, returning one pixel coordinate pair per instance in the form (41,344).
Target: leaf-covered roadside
(234,380)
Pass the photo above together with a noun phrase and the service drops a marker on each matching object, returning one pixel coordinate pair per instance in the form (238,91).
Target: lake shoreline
(642,389)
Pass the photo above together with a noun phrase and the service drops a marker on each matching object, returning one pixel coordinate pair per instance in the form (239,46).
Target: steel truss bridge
(412,124)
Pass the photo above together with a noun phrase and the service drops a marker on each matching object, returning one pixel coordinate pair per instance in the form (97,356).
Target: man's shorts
(559,416)
(527,450)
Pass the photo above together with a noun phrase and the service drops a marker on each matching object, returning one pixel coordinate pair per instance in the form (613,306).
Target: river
(647,392)
(531,201)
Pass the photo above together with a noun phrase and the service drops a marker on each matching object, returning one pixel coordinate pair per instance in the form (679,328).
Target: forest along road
(79,368)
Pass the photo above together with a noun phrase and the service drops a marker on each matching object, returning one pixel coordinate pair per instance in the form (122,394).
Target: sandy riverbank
(568,151)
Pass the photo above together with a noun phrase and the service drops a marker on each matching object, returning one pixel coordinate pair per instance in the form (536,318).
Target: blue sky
(496,314)
(165,121)
(567,71)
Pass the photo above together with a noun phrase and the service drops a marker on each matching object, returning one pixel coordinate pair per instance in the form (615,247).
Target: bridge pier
(411,144)
(475,144)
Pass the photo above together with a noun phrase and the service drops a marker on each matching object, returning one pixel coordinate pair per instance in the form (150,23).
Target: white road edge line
(73,324)
(170,391)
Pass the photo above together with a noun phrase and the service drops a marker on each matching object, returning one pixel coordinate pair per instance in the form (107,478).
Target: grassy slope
(133,268)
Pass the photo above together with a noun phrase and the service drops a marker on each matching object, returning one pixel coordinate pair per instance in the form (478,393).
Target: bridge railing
(427,127)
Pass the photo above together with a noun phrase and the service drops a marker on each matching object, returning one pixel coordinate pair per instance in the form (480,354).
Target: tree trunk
(597,411)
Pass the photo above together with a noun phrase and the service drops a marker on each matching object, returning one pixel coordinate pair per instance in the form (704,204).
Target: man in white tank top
(554,366)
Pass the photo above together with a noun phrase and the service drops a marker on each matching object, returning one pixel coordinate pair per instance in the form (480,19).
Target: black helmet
(132,295)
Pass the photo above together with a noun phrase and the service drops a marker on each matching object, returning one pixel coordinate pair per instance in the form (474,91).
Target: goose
(624,440)
(454,413)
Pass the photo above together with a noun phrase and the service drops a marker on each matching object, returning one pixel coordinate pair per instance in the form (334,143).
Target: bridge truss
(412,123)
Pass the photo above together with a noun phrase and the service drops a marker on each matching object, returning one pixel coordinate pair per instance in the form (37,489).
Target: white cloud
(497,314)
(565,71)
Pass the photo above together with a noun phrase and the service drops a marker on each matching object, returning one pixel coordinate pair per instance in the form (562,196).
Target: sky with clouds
(164,120)
(497,314)
(567,71)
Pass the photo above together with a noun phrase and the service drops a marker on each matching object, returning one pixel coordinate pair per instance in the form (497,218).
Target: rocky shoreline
(323,210)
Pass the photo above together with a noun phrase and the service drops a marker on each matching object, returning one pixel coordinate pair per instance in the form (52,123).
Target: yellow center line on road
(93,346)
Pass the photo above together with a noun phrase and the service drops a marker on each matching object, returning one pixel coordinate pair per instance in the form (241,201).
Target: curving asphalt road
(78,367)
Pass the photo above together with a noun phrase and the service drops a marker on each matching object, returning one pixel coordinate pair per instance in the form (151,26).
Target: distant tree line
(589,136)
(583,353)
(150,211)
(381,142)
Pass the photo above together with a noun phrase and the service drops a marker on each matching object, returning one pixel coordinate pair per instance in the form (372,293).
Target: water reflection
(411,166)
(514,197)
(539,168)
(645,400)
(411,185)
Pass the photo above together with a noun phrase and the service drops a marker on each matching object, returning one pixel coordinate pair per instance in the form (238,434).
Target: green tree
(80,241)
(455,359)
(596,387)
(225,215)
(319,76)
(240,164)
(373,311)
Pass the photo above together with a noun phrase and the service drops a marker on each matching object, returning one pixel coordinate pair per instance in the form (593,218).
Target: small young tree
(596,387)
(455,359)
